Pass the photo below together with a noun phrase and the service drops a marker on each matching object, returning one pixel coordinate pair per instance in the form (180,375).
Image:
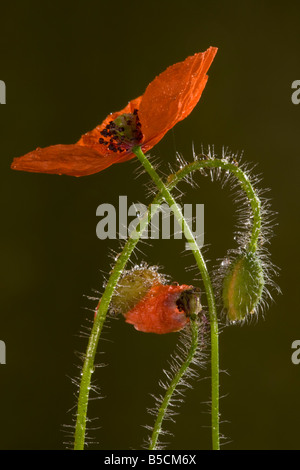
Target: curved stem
(174,383)
(164,191)
(88,366)
(252,246)
(245,185)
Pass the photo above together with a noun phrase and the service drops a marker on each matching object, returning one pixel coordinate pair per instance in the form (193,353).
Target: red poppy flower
(168,99)
(164,309)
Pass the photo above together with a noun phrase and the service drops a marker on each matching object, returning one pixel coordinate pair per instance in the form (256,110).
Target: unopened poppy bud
(152,306)
(133,286)
(242,286)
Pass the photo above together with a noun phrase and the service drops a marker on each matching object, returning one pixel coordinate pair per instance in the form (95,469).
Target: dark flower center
(123,133)
(189,302)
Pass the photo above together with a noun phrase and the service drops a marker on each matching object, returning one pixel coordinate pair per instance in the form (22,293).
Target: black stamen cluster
(113,138)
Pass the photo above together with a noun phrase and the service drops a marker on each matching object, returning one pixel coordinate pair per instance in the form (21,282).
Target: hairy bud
(242,286)
(152,306)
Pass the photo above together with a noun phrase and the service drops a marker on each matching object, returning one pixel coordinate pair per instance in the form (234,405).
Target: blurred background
(67,65)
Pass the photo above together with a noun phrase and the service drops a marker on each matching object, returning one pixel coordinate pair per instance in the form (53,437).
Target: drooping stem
(254,237)
(194,325)
(245,184)
(164,191)
(100,317)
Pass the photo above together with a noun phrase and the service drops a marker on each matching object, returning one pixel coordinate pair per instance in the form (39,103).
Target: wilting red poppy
(165,309)
(168,99)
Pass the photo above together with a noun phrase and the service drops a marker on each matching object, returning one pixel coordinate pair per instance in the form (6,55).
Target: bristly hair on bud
(243,286)
(245,276)
(134,285)
(152,306)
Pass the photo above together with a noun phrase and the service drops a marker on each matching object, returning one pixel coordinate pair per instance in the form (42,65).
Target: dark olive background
(66,66)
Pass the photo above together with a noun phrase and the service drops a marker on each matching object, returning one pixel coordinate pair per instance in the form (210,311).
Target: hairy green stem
(244,183)
(174,383)
(101,312)
(164,191)
(255,204)
(88,366)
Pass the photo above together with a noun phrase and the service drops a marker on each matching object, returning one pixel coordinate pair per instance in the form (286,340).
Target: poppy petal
(167,100)
(73,160)
(157,312)
(172,95)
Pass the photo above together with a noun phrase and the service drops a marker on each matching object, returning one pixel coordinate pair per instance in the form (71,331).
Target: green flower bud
(242,286)
(133,286)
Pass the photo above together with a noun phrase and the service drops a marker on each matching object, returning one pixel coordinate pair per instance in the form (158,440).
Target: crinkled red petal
(73,160)
(157,312)
(168,99)
(171,96)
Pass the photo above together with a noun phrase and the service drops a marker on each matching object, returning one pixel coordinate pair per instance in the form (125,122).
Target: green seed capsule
(133,286)
(242,286)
